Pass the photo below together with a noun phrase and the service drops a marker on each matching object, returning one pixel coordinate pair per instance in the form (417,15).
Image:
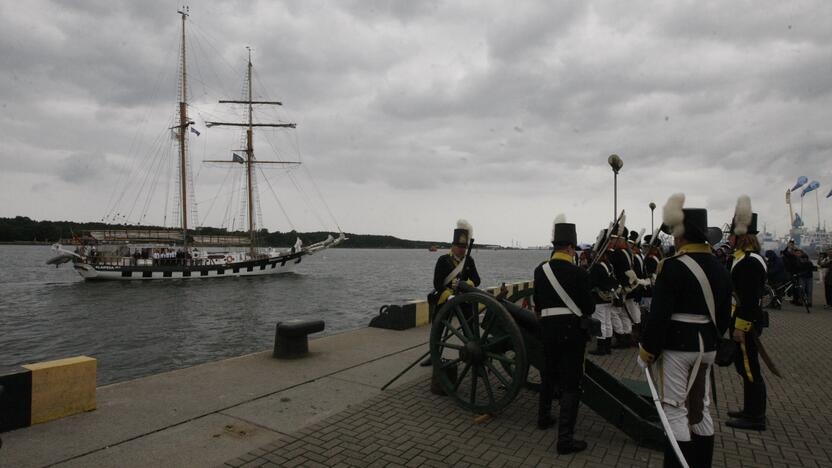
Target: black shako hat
(462,233)
(689,223)
(696,224)
(563,233)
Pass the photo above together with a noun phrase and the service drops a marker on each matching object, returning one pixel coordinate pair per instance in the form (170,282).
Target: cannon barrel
(525,318)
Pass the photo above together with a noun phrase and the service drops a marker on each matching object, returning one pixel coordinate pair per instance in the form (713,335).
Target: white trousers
(676,368)
(620,321)
(603,312)
(634,309)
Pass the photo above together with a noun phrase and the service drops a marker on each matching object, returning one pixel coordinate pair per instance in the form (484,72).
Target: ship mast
(182,130)
(250,154)
(250,161)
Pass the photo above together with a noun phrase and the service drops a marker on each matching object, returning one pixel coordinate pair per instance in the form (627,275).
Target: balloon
(812,186)
(800,181)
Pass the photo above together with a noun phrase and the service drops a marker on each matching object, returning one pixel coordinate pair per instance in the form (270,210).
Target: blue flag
(195,131)
(237,158)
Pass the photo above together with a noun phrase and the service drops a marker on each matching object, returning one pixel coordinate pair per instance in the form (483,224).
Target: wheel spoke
(452,346)
(455,331)
(490,324)
(497,374)
(475,326)
(500,357)
(450,363)
(488,388)
(490,343)
(462,376)
(465,326)
(474,373)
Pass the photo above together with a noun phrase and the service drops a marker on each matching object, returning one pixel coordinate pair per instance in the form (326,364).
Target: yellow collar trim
(696,248)
(563,256)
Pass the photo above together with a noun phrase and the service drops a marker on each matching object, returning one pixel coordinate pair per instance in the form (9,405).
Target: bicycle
(773,295)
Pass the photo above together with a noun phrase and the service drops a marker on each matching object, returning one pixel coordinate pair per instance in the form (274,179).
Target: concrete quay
(327,410)
(410,427)
(204,415)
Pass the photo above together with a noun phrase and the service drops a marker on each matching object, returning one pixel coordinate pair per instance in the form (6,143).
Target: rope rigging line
(277,199)
(136,168)
(123,178)
(146,173)
(323,200)
(305,199)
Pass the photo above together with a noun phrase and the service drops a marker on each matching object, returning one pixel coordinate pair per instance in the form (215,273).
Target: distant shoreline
(14,231)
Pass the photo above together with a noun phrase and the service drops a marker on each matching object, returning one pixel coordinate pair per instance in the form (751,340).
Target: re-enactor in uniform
(652,258)
(691,308)
(603,284)
(562,297)
(451,268)
(621,260)
(455,265)
(748,274)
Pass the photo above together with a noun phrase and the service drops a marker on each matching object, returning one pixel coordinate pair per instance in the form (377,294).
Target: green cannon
(481,348)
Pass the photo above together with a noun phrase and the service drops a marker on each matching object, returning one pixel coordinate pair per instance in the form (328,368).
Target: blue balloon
(800,181)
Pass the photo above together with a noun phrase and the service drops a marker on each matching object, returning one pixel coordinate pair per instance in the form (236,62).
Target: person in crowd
(748,276)
(804,270)
(825,262)
(603,284)
(691,309)
(562,298)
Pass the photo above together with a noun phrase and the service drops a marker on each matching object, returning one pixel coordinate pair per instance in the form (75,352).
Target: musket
(606,241)
(663,417)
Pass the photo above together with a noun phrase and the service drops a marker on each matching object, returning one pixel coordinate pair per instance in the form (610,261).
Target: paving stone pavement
(411,427)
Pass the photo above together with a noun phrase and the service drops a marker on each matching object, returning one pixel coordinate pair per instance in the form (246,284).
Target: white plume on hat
(742,215)
(560,218)
(463,224)
(673,216)
(640,235)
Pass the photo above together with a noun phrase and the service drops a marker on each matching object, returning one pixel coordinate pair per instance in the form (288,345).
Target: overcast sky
(412,114)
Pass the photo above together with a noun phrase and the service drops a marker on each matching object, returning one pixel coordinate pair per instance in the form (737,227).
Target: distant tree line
(21,229)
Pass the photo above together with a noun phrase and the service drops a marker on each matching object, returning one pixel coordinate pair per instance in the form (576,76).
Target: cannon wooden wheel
(478,353)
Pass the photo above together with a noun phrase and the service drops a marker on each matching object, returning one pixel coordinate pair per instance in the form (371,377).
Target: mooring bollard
(291,340)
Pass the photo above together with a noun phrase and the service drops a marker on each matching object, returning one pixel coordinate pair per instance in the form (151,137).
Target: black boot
(545,421)
(671,460)
(620,341)
(600,347)
(737,414)
(756,423)
(544,406)
(567,443)
(608,346)
(703,447)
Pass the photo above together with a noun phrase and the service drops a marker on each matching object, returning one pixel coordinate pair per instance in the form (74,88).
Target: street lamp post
(616,164)
(652,208)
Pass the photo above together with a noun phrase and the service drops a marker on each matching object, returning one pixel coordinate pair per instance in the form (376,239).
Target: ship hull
(260,267)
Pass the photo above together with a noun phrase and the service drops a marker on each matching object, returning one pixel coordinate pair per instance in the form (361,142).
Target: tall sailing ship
(140,254)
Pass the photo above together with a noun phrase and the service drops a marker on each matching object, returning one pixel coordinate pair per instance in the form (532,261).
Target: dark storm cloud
(408,103)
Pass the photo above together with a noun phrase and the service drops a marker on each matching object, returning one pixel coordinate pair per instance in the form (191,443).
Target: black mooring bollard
(291,340)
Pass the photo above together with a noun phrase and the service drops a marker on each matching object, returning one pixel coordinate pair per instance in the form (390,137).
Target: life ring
(229,259)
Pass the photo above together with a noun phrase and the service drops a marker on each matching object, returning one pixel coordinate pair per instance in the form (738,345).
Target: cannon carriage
(481,348)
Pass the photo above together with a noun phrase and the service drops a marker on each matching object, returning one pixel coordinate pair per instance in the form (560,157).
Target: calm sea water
(139,328)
